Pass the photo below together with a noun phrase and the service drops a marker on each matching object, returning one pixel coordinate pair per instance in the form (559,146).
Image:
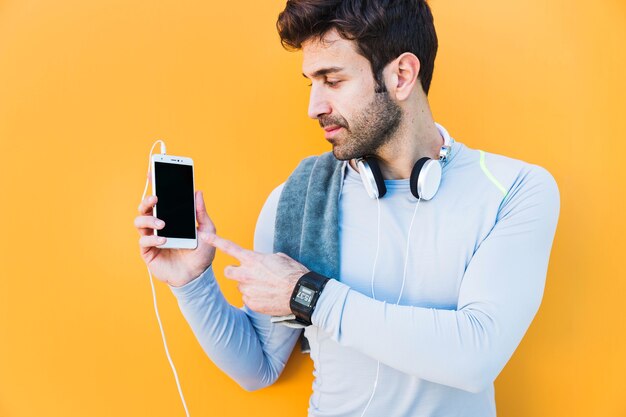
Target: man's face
(356,120)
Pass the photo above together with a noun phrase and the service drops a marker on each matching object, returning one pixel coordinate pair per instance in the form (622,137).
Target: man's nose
(318,103)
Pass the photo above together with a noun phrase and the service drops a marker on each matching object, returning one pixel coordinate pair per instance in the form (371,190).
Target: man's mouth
(331,130)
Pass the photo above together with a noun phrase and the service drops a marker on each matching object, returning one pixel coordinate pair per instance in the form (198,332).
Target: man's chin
(340,155)
(343,154)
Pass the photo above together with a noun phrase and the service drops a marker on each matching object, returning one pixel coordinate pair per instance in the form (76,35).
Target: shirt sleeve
(499,295)
(242,343)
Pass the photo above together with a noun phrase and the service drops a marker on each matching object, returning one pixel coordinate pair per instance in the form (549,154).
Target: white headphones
(425,175)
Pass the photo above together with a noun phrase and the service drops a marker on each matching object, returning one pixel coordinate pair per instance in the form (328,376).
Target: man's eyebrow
(324,71)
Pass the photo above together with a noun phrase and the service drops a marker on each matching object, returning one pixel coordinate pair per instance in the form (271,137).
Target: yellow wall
(87,86)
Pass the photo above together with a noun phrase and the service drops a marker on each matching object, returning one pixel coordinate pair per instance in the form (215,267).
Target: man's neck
(418,139)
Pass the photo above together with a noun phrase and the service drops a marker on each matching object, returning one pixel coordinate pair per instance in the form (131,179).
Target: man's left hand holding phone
(169,243)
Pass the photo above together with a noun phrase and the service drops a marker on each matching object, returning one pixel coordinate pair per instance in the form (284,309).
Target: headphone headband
(446,150)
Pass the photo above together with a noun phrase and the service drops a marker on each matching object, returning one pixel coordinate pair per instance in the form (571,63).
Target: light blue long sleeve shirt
(476,270)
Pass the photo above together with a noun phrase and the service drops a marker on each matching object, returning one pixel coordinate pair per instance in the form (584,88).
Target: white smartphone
(173,184)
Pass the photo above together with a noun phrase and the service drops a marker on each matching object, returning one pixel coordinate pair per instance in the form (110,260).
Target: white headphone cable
(377,247)
(156,309)
(406,255)
(406,259)
(374,297)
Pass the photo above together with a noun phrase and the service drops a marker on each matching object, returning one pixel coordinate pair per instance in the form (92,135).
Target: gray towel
(307,225)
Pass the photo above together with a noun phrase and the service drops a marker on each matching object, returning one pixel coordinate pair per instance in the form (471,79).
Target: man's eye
(328,83)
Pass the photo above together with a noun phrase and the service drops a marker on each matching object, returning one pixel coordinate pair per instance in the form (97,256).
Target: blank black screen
(175,204)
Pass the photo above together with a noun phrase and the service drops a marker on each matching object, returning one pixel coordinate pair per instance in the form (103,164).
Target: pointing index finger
(231,248)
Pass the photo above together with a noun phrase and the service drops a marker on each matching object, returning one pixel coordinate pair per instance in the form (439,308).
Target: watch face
(304,296)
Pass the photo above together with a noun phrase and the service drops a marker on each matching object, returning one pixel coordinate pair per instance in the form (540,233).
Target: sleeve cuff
(195,287)
(329,308)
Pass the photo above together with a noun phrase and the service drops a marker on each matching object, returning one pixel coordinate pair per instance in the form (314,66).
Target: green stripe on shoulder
(489,174)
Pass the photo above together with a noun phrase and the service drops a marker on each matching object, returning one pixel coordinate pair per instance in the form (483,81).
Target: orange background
(86,87)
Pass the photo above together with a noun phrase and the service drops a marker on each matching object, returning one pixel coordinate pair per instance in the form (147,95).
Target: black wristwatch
(305,295)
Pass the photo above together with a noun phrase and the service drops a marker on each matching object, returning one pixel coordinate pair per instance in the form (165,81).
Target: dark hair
(383,30)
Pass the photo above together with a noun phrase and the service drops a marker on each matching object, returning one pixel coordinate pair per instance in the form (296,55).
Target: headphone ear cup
(415,175)
(425,178)
(378,176)
(371,166)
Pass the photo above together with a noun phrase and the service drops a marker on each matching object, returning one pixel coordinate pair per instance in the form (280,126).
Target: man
(430,297)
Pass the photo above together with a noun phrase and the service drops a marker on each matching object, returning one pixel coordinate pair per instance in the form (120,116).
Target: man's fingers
(237,273)
(204,221)
(145,207)
(146,224)
(230,248)
(151,241)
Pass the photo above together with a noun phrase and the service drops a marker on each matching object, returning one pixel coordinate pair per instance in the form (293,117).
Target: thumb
(204,221)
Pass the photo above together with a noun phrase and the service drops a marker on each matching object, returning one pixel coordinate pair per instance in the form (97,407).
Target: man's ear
(404,75)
